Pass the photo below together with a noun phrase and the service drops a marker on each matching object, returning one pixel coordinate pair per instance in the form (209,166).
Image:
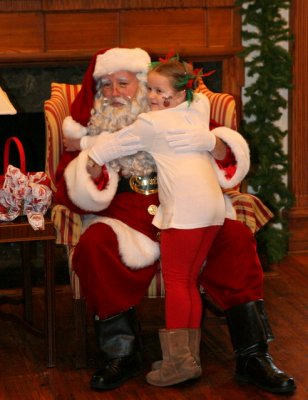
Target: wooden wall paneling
(298,131)
(233,80)
(220,27)
(21,32)
(168,29)
(68,31)
(132,4)
(79,31)
(71,5)
(73,27)
(219,3)
(56,5)
(20,5)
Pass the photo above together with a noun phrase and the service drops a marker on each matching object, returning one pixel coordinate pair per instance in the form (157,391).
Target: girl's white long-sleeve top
(189,193)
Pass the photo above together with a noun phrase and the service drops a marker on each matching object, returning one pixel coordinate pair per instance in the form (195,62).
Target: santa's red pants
(182,255)
(232,274)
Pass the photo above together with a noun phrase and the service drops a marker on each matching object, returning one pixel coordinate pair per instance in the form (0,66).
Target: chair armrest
(68,225)
(56,109)
(249,209)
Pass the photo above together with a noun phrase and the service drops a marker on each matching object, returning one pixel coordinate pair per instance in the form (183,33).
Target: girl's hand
(93,169)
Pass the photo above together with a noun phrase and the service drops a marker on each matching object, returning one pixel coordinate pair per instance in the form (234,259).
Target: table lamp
(6,107)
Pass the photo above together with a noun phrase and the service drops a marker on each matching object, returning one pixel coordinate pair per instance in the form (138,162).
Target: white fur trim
(136,249)
(73,129)
(81,188)
(240,149)
(118,59)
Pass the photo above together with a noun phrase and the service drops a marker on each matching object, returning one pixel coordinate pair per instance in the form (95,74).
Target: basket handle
(21,152)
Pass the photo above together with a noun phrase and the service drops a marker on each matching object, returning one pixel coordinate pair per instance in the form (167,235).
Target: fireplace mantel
(59,32)
(45,40)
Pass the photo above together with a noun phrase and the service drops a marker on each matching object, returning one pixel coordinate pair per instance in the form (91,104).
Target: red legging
(182,254)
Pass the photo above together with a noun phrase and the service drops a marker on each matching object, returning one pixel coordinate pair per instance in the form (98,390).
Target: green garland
(269,65)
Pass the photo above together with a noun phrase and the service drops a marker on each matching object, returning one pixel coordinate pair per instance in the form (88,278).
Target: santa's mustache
(117,99)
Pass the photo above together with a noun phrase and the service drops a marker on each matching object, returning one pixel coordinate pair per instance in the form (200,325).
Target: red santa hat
(103,63)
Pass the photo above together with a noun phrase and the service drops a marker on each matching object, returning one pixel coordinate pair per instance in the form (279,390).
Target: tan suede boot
(194,345)
(178,363)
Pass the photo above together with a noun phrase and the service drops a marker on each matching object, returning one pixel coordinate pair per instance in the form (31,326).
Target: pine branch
(270,65)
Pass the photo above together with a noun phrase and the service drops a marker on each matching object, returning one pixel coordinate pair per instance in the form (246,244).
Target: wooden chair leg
(80,320)
(50,302)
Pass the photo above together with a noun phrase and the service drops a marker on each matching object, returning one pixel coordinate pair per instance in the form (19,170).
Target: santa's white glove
(198,138)
(115,145)
(86,142)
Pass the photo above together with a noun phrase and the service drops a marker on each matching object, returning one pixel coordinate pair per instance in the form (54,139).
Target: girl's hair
(180,73)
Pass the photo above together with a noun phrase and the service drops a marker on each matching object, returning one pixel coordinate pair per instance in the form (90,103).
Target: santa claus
(117,254)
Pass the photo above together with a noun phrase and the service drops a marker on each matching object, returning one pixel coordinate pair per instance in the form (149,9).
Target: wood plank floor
(23,375)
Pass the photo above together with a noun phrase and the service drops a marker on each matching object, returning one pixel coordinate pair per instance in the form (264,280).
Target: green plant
(268,63)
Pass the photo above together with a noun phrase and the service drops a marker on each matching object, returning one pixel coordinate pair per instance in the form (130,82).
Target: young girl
(191,210)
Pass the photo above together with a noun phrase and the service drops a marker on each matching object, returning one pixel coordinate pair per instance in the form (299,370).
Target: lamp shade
(6,107)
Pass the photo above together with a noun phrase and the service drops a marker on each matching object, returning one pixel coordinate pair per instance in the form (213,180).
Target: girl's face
(161,94)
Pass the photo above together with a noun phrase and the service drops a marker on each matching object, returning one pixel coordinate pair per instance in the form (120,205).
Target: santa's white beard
(108,118)
(105,117)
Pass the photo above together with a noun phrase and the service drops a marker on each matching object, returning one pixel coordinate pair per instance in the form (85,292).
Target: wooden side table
(20,230)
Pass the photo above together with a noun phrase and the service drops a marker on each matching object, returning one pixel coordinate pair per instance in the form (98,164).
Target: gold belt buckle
(143,184)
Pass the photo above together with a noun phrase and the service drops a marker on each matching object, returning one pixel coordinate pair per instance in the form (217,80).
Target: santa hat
(118,59)
(103,62)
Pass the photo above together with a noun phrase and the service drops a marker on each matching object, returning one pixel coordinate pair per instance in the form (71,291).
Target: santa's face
(126,100)
(119,88)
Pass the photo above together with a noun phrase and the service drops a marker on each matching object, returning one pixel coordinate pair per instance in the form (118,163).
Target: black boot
(250,332)
(119,344)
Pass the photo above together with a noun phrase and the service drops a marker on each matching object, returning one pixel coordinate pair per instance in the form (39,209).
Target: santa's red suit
(118,252)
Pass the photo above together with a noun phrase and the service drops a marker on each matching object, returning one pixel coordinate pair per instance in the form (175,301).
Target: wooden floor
(23,375)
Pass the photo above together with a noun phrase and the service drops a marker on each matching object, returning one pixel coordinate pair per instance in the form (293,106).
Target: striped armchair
(249,209)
